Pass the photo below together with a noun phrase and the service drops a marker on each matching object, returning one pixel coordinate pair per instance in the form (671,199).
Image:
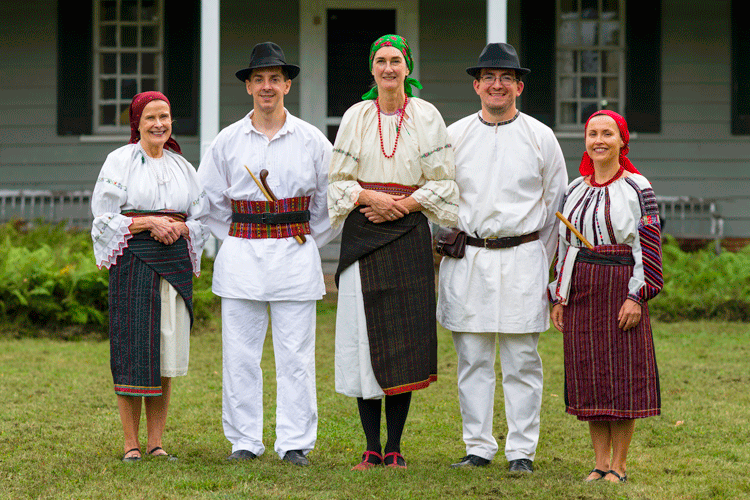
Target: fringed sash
(135,310)
(398,284)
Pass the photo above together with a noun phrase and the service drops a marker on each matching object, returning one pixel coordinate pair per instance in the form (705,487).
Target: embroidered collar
(479,115)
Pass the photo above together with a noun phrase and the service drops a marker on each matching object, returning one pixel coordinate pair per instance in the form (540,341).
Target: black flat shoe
(132,458)
(598,471)
(521,466)
(164,456)
(242,455)
(296,457)
(472,461)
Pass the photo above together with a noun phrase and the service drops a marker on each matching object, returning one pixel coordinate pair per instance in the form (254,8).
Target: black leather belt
(297,217)
(504,242)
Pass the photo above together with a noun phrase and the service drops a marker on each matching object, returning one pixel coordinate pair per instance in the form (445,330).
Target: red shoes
(370,460)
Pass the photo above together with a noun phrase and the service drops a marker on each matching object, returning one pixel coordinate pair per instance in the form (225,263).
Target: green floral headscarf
(402,45)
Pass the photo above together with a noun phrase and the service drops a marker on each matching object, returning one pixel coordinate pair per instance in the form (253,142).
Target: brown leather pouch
(451,243)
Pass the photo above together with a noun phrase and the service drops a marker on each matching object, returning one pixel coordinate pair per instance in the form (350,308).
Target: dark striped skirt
(610,374)
(398,287)
(135,310)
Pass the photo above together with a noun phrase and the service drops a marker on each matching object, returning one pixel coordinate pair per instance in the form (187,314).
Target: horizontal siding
(451,38)
(696,91)
(241,30)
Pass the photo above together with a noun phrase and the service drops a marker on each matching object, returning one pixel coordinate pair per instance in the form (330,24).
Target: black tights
(396,411)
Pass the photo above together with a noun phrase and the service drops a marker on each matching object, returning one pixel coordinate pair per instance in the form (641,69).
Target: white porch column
(497,21)
(209,98)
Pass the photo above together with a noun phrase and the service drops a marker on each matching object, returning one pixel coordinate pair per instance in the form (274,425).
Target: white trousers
(522,387)
(244,325)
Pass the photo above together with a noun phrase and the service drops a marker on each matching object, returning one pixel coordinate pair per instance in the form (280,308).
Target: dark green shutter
(74,67)
(643,66)
(182,29)
(740,54)
(537,52)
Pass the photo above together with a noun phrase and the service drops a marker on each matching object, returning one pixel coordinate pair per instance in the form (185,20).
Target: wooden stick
(270,197)
(575,231)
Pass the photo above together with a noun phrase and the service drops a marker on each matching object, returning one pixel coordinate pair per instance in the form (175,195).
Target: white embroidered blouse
(132,180)
(423,158)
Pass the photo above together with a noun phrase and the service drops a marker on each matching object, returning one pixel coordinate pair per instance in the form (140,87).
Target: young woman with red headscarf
(147,230)
(600,296)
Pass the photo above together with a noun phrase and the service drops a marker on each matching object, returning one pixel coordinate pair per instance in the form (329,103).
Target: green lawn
(60,434)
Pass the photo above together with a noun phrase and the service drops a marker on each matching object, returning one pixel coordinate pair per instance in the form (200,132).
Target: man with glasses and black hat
(511,178)
(266,178)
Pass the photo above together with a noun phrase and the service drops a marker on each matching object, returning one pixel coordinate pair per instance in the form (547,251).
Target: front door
(350,34)
(335,39)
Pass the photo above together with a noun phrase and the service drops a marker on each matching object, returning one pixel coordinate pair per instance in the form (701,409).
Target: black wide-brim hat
(498,56)
(267,55)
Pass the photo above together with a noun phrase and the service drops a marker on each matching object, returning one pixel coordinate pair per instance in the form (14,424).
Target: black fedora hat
(499,56)
(267,55)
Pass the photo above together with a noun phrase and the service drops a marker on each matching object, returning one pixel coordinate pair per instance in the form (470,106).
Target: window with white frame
(590,59)
(128,46)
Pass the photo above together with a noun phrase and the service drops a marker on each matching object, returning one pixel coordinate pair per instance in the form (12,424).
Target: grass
(60,434)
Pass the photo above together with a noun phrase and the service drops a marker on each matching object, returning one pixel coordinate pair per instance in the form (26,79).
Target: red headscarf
(587,165)
(136,110)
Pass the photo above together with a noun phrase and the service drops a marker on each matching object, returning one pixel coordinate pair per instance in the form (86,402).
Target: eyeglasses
(504,79)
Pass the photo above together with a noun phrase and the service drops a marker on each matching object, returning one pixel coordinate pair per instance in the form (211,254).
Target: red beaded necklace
(398,129)
(608,182)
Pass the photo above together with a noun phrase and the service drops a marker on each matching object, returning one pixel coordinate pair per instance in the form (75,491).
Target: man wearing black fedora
(266,178)
(511,177)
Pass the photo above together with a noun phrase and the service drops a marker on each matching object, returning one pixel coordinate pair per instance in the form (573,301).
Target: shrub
(50,285)
(703,285)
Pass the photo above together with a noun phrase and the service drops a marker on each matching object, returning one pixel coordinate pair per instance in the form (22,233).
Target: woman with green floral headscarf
(392,169)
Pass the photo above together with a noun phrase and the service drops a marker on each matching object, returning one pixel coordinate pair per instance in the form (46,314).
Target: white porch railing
(691,218)
(48,206)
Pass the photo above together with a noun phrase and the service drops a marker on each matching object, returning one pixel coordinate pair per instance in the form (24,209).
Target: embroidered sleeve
(110,230)
(647,251)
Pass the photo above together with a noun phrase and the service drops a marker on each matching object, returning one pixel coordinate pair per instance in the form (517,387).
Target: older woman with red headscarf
(600,295)
(147,230)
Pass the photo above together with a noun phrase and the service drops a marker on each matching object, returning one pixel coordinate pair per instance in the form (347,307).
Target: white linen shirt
(132,180)
(511,179)
(297,161)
